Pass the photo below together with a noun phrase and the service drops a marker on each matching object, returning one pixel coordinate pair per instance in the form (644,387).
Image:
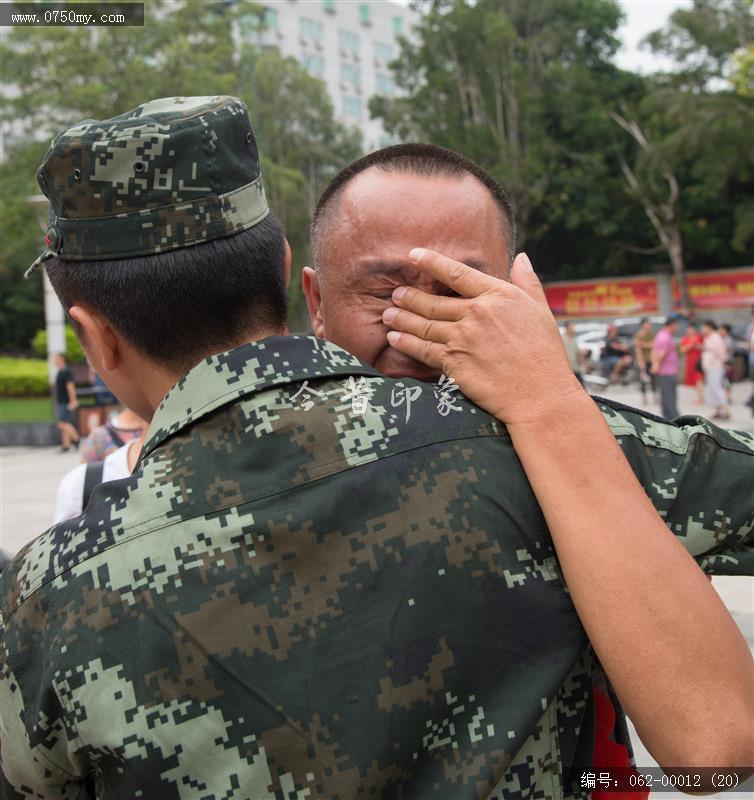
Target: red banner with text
(730,288)
(619,297)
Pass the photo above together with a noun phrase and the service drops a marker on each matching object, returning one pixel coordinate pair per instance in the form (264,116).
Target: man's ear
(98,340)
(313,294)
(287,265)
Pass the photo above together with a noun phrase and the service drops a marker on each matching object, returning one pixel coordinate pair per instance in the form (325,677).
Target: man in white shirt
(69,501)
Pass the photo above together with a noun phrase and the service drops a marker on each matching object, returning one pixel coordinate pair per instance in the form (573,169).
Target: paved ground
(29,477)
(741,419)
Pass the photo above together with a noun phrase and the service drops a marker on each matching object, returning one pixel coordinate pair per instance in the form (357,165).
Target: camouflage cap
(171,173)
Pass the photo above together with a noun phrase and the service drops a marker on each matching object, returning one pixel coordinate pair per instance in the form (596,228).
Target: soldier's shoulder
(676,436)
(65,546)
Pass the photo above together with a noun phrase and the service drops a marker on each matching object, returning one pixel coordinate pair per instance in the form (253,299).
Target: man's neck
(158,381)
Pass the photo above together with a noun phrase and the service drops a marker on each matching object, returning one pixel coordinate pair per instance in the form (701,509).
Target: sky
(643,17)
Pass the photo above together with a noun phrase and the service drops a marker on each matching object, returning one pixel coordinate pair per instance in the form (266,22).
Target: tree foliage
(531,91)
(60,75)
(692,168)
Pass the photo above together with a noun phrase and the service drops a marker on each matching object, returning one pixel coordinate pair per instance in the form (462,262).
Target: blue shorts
(64,413)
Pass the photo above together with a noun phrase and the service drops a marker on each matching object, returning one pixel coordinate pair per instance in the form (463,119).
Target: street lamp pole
(54,314)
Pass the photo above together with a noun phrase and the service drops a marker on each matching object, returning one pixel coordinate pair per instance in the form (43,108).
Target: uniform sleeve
(27,771)
(700,478)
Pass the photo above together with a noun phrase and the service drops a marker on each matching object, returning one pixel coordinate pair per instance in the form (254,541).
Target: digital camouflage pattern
(170,173)
(289,603)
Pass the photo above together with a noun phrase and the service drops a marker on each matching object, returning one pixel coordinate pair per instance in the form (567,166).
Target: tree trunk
(660,213)
(675,251)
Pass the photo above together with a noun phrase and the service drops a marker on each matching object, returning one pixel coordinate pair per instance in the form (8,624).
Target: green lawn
(25,409)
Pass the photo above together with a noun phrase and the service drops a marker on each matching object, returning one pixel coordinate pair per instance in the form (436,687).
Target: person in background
(575,356)
(77,486)
(66,402)
(749,336)
(714,354)
(726,332)
(665,365)
(103,396)
(615,354)
(120,429)
(643,354)
(691,347)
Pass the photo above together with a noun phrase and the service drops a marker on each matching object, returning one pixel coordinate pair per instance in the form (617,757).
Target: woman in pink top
(714,354)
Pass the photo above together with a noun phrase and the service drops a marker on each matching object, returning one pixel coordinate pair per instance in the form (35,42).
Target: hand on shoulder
(498,341)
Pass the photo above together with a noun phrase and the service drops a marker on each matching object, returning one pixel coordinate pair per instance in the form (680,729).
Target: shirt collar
(225,377)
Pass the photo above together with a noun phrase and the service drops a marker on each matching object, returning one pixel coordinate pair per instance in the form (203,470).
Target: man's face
(381,216)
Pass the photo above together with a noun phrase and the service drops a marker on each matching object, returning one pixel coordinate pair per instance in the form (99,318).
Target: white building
(346,43)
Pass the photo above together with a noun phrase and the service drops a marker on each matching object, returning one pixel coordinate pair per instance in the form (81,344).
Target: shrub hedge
(73,351)
(23,377)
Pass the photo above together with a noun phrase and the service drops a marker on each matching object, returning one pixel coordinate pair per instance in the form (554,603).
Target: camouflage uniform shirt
(290,599)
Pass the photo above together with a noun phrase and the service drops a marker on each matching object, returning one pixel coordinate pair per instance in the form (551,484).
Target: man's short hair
(413,159)
(177,306)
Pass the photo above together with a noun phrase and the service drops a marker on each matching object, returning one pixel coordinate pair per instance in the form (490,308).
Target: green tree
(62,75)
(482,77)
(742,73)
(706,41)
(302,148)
(689,160)
(21,309)
(521,88)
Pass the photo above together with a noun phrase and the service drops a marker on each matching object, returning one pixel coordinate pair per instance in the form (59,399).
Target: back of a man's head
(414,158)
(159,223)
(175,307)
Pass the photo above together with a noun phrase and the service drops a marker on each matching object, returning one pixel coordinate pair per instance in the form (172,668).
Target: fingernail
(398,292)
(393,337)
(389,314)
(526,261)
(416,253)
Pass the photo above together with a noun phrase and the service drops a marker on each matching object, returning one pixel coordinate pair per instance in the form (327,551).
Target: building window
(329,6)
(349,44)
(352,106)
(364,14)
(270,18)
(383,53)
(350,77)
(314,64)
(397,25)
(310,29)
(385,84)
